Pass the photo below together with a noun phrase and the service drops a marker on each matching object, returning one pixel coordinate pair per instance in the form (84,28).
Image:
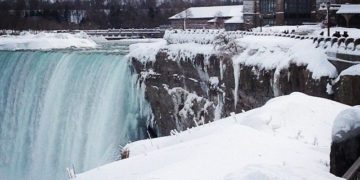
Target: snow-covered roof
(212,20)
(210,12)
(349,9)
(235,20)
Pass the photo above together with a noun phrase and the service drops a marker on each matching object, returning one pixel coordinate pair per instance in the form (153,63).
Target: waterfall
(65,108)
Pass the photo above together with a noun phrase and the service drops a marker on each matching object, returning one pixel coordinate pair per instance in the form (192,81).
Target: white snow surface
(266,52)
(311,30)
(45,41)
(346,121)
(349,9)
(269,53)
(146,52)
(210,12)
(288,138)
(235,20)
(351,71)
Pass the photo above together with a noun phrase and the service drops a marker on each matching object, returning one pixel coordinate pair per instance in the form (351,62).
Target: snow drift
(288,138)
(45,41)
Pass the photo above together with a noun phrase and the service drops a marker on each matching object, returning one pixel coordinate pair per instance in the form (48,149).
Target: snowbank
(279,52)
(45,41)
(288,138)
(351,71)
(346,121)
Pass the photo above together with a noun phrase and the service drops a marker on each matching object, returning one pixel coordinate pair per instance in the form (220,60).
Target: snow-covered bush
(226,45)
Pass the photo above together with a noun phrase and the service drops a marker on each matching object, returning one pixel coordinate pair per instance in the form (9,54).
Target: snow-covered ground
(45,41)
(288,138)
(312,30)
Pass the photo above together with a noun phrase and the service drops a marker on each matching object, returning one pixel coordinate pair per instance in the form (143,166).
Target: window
(267,6)
(297,11)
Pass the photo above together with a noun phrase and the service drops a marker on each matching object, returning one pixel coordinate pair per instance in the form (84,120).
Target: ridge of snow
(146,52)
(45,41)
(288,138)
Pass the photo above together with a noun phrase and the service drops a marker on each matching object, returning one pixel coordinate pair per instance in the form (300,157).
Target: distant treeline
(93,14)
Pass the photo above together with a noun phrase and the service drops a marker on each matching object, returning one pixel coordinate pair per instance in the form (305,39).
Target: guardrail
(107,33)
(353,171)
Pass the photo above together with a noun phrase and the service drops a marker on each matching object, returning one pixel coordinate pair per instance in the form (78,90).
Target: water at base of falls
(65,108)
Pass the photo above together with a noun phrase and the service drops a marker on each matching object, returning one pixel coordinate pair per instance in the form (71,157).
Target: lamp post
(328,17)
(261,23)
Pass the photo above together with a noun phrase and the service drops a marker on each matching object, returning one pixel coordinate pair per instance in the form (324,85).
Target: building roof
(349,9)
(235,20)
(210,12)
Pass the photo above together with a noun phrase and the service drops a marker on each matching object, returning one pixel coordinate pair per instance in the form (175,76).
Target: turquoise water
(66,108)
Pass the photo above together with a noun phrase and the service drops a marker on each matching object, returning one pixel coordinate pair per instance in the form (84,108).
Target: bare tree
(184,16)
(219,21)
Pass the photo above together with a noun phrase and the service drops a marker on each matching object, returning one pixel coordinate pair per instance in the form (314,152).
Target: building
(348,15)
(255,13)
(229,17)
(278,12)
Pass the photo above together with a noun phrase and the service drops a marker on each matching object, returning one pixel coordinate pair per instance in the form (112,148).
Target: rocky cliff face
(344,153)
(347,90)
(192,91)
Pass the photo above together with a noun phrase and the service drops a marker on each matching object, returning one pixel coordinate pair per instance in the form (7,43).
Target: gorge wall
(194,90)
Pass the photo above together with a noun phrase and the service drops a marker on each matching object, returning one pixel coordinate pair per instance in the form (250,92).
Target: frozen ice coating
(45,41)
(288,138)
(60,109)
(345,122)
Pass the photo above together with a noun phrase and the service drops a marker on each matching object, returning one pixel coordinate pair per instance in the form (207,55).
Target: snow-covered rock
(288,138)
(45,41)
(278,53)
(348,120)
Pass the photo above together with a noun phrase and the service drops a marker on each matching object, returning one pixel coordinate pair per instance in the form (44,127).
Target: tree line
(93,14)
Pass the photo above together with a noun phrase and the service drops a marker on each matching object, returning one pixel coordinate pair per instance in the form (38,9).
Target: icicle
(237,82)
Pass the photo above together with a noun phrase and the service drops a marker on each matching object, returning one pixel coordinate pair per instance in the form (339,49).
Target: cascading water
(65,108)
